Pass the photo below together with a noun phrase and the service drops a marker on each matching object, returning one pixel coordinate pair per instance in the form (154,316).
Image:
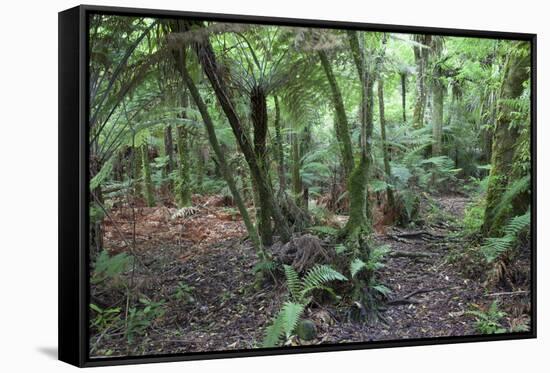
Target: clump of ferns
(368,294)
(501,251)
(301,291)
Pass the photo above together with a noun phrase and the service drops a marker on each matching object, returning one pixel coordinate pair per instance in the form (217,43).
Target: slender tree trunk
(421,60)
(404,95)
(220,155)
(207,60)
(183,181)
(169,148)
(296,180)
(183,191)
(387,167)
(437,120)
(504,143)
(148,192)
(341,122)
(137,168)
(279,146)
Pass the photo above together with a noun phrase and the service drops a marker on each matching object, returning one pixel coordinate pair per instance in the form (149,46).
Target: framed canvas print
(234,186)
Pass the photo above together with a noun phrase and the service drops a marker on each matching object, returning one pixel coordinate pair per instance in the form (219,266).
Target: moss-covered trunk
(505,141)
(385,150)
(258,111)
(341,122)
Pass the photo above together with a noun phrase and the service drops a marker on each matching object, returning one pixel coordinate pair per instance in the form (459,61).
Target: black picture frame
(74,186)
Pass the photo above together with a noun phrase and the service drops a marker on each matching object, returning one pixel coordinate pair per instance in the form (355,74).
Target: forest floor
(222,311)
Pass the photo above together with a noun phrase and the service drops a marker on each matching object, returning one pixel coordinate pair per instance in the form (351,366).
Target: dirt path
(438,310)
(226,313)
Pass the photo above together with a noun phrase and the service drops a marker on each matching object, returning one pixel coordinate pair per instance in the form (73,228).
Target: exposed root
(303,252)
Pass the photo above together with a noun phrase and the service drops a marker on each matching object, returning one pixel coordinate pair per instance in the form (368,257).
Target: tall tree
(505,140)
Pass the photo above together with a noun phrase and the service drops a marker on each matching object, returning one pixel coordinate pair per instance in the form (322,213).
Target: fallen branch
(410,254)
(406,299)
(511,293)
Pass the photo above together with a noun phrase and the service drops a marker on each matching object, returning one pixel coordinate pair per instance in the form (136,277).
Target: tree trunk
(404,95)
(258,110)
(504,143)
(296,180)
(437,120)
(136,171)
(387,167)
(279,147)
(220,155)
(169,148)
(147,182)
(421,59)
(341,122)
(183,191)
(207,60)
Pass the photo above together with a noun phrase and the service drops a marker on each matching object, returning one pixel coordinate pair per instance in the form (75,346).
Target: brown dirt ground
(207,251)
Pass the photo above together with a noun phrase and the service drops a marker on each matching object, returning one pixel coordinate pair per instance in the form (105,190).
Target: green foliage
(495,247)
(141,318)
(513,190)
(265,266)
(373,263)
(102,175)
(474,215)
(184,293)
(109,267)
(324,230)
(285,322)
(103,318)
(489,322)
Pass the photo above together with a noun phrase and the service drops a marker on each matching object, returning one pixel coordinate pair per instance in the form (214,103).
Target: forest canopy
(258,186)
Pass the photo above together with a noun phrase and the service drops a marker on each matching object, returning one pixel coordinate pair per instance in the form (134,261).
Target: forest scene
(259,186)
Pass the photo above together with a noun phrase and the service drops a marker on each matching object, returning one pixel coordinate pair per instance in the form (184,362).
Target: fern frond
(291,315)
(274,332)
(494,247)
(318,276)
(514,189)
(356,266)
(518,223)
(292,282)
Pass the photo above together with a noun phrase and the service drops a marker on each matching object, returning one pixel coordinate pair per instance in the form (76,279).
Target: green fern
(292,313)
(514,189)
(318,276)
(286,321)
(494,247)
(323,229)
(356,266)
(292,282)
(284,324)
